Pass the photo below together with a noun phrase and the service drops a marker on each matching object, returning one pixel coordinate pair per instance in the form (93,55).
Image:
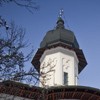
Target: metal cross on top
(61,13)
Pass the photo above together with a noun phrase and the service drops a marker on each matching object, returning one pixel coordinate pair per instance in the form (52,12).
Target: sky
(80,16)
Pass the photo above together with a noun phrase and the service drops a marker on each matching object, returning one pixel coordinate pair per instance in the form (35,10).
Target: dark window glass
(65,78)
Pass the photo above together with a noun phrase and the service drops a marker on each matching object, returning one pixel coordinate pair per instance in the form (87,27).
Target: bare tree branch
(46,70)
(12,58)
(30,5)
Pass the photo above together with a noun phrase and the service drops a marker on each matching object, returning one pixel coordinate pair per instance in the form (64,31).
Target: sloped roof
(50,93)
(19,89)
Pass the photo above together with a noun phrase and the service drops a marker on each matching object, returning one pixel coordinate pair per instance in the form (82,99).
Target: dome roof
(59,35)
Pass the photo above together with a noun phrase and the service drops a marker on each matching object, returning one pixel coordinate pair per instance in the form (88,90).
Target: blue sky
(80,16)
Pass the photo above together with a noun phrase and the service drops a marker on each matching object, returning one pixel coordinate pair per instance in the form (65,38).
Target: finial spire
(60,22)
(61,12)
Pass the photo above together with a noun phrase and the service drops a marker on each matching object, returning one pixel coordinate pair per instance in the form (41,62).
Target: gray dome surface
(59,35)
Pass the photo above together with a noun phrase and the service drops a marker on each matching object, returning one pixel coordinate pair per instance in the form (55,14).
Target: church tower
(59,60)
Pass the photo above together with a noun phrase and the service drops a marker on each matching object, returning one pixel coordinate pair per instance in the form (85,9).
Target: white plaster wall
(60,60)
(69,63)
(49,61)
(70,66)
(76,71)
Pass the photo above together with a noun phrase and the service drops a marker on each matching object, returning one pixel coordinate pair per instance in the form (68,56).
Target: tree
(47,71)
(12,58)
(30,5)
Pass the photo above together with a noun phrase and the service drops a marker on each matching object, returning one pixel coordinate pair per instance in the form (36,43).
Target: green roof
(59,34)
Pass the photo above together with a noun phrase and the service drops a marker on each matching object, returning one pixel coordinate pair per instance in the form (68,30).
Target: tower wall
(58,66)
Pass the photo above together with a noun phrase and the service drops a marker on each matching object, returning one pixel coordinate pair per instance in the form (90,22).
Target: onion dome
(59,35)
